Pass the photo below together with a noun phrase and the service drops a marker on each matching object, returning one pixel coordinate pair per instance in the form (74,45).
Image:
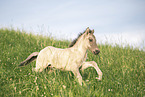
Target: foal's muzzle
(96,52)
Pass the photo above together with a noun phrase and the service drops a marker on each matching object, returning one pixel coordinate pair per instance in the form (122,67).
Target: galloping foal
(69,59)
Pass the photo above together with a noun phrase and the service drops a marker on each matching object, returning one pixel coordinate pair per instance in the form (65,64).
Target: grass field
(123,70)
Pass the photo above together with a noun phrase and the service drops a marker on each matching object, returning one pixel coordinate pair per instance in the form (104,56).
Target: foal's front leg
(93,64)
(78,75)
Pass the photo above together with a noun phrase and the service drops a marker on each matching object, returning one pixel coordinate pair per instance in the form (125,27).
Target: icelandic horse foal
(69,59)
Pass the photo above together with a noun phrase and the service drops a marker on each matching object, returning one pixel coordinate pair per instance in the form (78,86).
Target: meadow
(122,67)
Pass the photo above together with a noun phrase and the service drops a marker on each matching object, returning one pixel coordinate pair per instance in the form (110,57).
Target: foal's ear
(87,30)
(93,31)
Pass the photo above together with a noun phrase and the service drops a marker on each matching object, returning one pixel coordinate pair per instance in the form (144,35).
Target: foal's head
(90,41)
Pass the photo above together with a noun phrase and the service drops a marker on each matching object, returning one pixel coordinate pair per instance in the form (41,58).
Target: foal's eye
(90,40)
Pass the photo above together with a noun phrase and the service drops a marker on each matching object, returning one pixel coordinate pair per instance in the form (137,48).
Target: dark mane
(75,40)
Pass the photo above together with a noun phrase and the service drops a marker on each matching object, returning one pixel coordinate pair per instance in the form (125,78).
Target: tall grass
(123,70)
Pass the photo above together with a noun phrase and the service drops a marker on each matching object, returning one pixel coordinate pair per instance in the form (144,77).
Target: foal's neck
(80,46)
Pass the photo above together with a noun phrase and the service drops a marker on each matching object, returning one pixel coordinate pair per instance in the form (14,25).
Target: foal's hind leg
(93,64)
(40,65)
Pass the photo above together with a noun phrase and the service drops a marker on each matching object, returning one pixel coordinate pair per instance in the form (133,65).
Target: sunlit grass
(123,70)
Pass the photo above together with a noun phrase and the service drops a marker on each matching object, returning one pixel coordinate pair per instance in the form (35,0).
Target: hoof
(99,79)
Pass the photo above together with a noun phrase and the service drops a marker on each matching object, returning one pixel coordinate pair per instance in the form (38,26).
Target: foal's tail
(30,58)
